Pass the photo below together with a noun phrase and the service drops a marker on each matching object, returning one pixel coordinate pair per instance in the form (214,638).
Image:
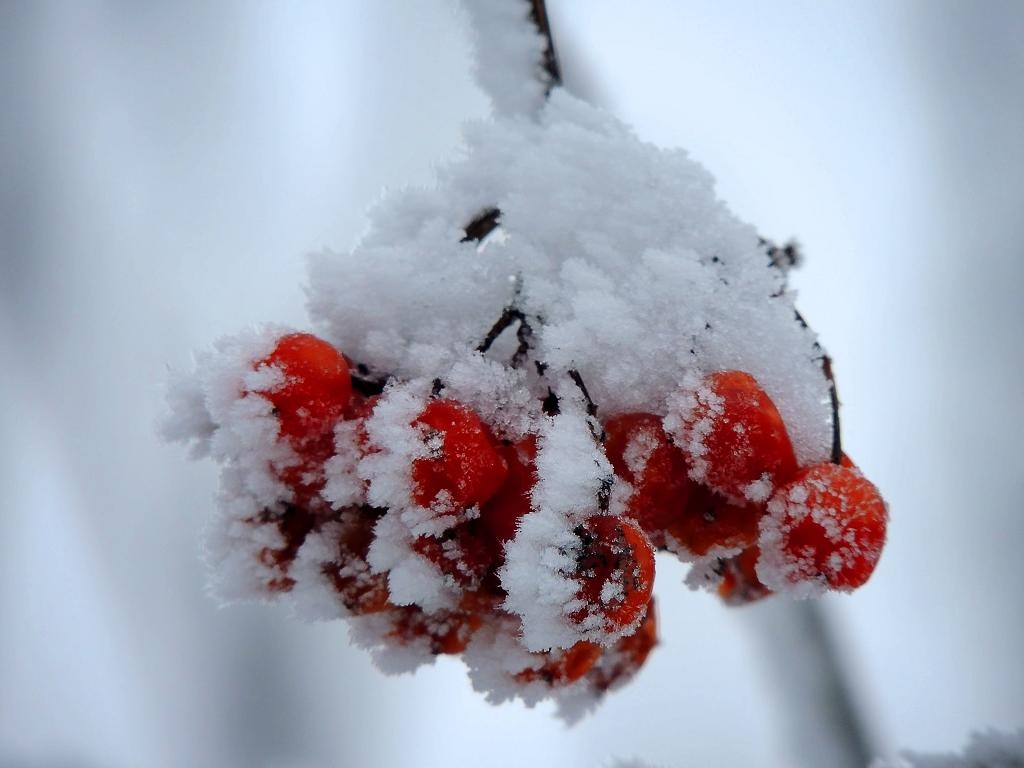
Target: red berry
(360,590)
(307,478)
(445,632)
(464,468)
(360,406)
(615,565)
(710,521)
(640,452)
(624,659)
(294,524)
(316,388)
(740,584)
(465,552)
(825,527)
(501,514)
(735,438)
(563,667)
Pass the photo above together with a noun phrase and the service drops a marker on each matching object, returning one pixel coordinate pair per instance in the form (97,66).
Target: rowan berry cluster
(408,515)
(500,495)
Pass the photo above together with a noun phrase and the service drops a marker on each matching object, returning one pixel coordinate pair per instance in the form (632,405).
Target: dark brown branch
(509,315)
(524,334)
(482,225)
(365,383)
(578,381)
(833,393)
(784,256)
(539,16)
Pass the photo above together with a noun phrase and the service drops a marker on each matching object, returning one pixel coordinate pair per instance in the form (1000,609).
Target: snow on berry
(733,435)
(563,354)
(618,664)
(657,488)
(739,584)
(824,530)
(712,526)
(402,638)
(502,669)
(589,581)
(314,387)
(331,575)
(462,468)
(615,563)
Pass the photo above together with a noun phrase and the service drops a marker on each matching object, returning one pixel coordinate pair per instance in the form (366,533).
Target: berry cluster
(405,512)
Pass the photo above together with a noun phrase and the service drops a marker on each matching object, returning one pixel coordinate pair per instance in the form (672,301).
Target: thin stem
(539,16)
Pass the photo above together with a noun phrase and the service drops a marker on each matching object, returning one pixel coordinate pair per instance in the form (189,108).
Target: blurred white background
(164,169)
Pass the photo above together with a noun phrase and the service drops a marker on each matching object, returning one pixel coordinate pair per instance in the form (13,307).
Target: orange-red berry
(740,584)
(360,590)
(710,521)
(826,527)
(624,659)
(641,454)
(563,666)
(464,467)
(445,632)
(615,565)
(500,516)
(294,524)
(466,552)
(315,390)
(735,439)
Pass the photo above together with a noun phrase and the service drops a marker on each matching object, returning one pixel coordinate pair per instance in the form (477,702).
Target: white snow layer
(627,267)
(508,50)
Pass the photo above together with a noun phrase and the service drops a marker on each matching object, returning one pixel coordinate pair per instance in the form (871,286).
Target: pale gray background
(163,169)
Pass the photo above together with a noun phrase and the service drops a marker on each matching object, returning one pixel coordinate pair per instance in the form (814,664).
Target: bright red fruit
(464,552)
(360,590)
(464,467)
(294,524)
(640,452)
(827,526)
(563,667)
(615,565)
(501,514)
(624,659)
(306,478)
(740,584)
(710,521)
(445,632)
(316,388)
(736,440)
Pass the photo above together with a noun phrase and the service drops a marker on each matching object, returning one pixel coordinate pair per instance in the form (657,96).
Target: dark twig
(784,256)
(509,315)
(539,16)
(482,225)
(578,381)
(833,393)
(604,492)
(524,334)
(365,383)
